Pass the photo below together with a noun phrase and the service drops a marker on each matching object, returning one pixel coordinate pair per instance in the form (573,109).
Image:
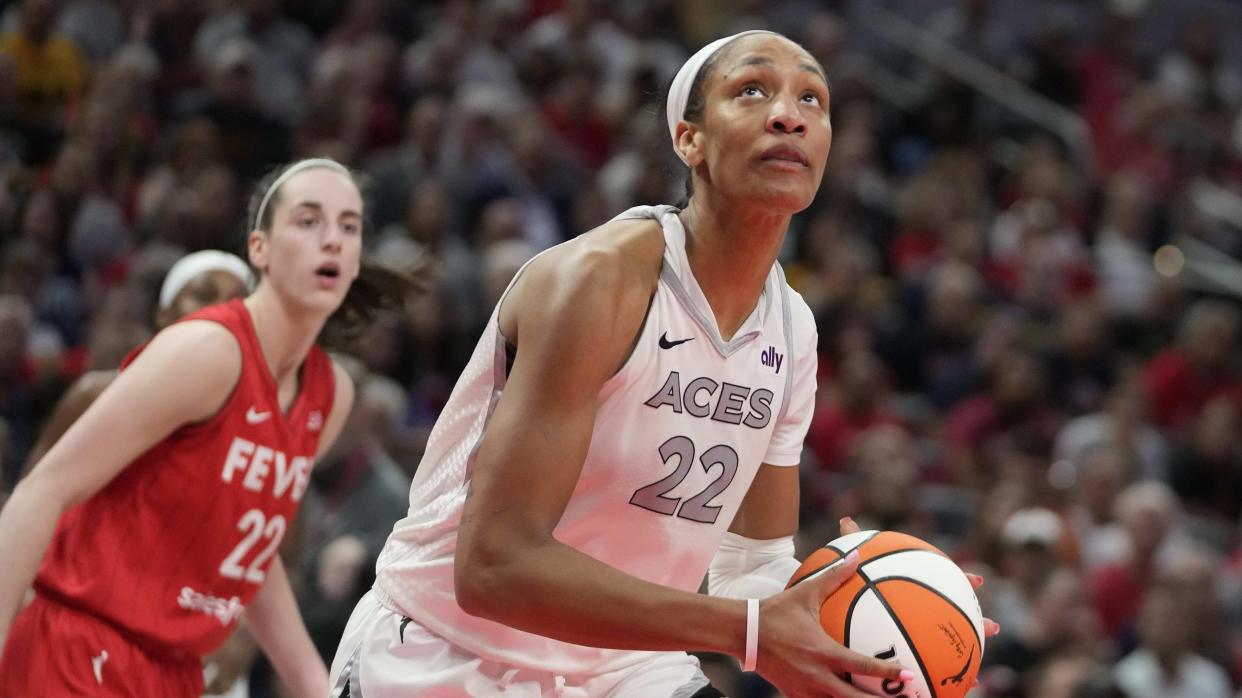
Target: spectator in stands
(282,52)
(1100,473)
(1013,405)
(1194,73)
(1122,250)
(849,405)
(884,494)
(420,155)
(96,27)
(1147,513)
(1165,665)
(1082,363)
(51,72)
(1201,365)
(1031,540)
(1060,622)
(928,347)
(1206,471)
(1060,676)
(1196,570)
(16,383)
(249,137)
(1121,424)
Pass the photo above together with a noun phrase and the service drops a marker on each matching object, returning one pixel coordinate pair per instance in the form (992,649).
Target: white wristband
(752,635)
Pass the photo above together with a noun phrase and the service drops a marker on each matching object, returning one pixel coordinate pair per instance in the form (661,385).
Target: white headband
(197,263)
(679,91)
(294,169)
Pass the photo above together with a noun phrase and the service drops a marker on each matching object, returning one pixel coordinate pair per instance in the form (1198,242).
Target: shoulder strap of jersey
(226,314)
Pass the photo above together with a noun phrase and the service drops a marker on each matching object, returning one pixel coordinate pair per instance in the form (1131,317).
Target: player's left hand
(990,627)
(224,668)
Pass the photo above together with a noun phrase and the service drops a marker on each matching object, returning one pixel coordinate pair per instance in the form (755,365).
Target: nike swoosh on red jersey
(254,417)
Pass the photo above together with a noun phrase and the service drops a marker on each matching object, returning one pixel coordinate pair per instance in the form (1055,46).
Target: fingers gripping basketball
(908,603)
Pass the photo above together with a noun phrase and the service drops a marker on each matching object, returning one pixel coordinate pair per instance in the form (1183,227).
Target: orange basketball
(908,603)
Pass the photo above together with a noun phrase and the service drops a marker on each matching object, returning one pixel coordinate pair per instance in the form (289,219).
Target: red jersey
(172,550)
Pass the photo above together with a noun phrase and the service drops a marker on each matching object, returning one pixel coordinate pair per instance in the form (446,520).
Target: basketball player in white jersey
(632,417)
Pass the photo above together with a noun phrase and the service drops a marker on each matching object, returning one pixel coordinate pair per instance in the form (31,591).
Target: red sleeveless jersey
(178,543)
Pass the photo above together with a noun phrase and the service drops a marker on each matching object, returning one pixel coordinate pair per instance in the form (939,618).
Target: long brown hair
(378,289)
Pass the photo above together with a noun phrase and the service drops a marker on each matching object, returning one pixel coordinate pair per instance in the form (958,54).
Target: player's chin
(789,199)
(787,190)
(323,301)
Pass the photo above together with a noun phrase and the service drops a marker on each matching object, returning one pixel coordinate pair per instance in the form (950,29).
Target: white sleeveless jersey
(680,432)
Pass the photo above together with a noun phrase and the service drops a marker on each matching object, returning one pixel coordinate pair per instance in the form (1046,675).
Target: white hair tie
(679,91)
(197,263)
(294,169)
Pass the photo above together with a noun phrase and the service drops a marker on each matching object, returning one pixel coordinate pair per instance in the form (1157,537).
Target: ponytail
(378,290)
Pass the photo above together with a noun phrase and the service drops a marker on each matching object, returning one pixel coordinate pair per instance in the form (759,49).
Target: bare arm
(292,548)
(135,412)
(274,619)
(273,613)
(232,660)
(342,403)
(72,405)
(770,508)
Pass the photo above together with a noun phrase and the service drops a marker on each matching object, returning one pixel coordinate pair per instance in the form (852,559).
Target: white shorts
(384,655)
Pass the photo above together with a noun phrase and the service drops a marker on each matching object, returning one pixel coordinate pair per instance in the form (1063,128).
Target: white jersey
(681,430)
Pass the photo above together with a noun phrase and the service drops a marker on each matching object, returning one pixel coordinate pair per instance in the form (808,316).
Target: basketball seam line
(849,615)
(868,561)
(951,602)
(841,556)
(900,628)
(841,552)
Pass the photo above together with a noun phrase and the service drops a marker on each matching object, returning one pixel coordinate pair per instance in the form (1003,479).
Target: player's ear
(689,143)
(257,249)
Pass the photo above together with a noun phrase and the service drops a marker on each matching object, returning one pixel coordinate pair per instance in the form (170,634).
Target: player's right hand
(798,657)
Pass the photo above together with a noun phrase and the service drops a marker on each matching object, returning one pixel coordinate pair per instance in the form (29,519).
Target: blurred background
(1025,261)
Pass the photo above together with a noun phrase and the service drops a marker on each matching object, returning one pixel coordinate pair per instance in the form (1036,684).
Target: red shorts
(52,650)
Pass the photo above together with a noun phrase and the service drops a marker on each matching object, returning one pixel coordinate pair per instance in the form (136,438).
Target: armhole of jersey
(651,213)
(510,348)
(495,320)
(635,344)
(212,421)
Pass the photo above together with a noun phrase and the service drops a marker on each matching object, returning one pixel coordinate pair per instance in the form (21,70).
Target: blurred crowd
(1015,362)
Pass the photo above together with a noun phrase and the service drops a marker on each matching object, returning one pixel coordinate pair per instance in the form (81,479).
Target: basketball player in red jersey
(194,282)
(158,515)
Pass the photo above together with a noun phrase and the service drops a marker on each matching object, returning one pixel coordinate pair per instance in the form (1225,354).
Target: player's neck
(731,252)
(285,338)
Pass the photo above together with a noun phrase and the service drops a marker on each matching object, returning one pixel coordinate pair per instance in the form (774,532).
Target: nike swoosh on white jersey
(255,417)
